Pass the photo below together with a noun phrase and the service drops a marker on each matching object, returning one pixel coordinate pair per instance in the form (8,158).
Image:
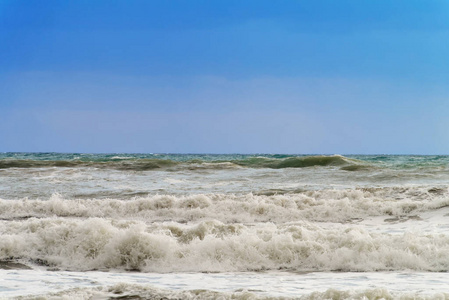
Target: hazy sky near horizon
(315,76)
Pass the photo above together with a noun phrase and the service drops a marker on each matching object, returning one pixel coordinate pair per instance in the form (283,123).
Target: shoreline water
(247,285)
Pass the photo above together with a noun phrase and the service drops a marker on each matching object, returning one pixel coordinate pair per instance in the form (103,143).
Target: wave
(127,161)
(297,162)
(121,164)
(212,246)
(329,205)
(144,164)
(140,291)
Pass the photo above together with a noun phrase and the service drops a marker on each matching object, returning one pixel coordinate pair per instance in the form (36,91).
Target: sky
(172,76)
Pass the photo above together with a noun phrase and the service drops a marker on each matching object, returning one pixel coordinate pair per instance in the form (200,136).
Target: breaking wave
(213,246)
(330,205)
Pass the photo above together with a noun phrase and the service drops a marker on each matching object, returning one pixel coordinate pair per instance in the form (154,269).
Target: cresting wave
(142,292)
(212,246)
(145,164)
(330,205)
(298,162)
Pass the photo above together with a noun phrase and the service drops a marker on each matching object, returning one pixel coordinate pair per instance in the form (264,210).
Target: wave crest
(212,246)
(329,205)
(152,164)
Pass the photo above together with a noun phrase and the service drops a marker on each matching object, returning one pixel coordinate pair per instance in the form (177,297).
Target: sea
(231,226)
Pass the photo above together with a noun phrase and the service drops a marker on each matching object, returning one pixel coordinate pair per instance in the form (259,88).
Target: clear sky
(299,76)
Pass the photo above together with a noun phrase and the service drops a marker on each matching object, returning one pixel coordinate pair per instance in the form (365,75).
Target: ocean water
(190,226)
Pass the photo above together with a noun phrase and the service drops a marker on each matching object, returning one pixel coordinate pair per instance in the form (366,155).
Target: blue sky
(225,76)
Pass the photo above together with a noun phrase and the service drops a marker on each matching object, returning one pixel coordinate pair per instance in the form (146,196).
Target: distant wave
(121,164)
(297,162)
(144,164)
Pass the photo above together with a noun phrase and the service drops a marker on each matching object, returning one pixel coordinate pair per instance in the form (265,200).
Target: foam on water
(330,205)
(213,246)
(141,217)
(95,285)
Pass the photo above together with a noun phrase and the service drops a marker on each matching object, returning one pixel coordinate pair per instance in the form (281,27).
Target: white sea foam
(217,247)
(133,291)
(329,205)
(255,285)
